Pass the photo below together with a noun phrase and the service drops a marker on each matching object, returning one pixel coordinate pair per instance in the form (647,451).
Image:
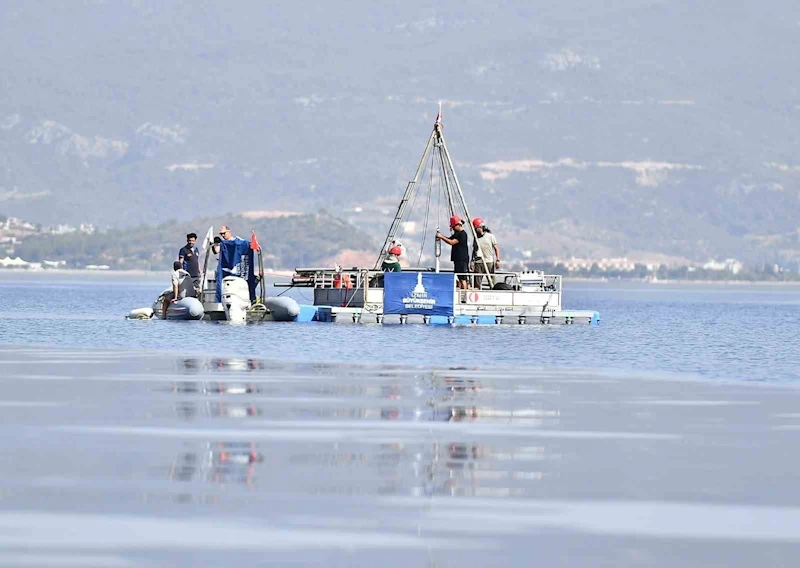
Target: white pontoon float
(431,295)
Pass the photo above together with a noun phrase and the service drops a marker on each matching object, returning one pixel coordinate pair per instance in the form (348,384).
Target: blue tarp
(236,259)
(428,294)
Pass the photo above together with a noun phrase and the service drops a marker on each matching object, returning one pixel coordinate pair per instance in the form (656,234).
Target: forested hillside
(287,242)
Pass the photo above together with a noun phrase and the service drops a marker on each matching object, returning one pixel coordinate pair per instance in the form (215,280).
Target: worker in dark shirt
(459,254)
(189,257)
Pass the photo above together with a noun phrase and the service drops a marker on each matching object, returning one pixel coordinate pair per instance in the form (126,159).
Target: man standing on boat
(189,257)
(485,248)
(459,254)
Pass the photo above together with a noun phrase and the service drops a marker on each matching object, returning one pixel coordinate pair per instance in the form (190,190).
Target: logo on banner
(419,300)
(415,293)
(242,269)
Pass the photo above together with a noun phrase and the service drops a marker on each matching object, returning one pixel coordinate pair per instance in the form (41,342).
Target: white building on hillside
(729,265)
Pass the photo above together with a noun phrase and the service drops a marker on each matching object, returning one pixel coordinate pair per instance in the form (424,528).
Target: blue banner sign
(428,294)
(236,259)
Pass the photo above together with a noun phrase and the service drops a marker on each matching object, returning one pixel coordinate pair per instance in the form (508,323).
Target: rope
(410,209)
(427,215)
(287,289)
(353,294)
(411,206)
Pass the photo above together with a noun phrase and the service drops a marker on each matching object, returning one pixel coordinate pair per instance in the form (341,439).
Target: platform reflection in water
(136,459)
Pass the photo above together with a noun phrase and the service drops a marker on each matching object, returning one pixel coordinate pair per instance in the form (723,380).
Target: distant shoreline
(679,281)
(140,273)
(112,273)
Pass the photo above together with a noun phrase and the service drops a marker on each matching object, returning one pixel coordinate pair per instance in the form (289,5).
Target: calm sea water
(663,437)
(725,331)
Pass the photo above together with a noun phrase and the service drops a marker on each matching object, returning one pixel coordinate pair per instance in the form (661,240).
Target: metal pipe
(437,251)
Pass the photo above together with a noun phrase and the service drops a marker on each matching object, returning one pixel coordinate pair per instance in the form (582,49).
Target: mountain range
(645,128)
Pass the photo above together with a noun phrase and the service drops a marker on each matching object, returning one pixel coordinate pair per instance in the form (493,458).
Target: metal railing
(329,278)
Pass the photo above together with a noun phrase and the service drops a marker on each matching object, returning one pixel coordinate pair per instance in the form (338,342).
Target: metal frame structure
(452,190)
(356,293)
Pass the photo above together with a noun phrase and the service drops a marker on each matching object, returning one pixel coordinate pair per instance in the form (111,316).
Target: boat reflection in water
(481,469)
(362,431)
(218,463)
(113,460)
(188,410)
(223,364)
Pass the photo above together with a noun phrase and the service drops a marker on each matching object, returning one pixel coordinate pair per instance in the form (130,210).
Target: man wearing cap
(459,254)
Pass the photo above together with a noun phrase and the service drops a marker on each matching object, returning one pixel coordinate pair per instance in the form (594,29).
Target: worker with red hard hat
(485,251)
(459,253)
(392,261)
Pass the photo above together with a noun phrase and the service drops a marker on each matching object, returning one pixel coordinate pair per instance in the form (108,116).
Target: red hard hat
(455,220)
(396,250)
(477,222)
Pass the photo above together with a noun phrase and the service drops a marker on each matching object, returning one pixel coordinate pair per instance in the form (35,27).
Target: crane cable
(410,208)
(427,215)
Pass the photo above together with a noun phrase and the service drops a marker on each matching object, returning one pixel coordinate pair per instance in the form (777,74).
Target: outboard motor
(235,298)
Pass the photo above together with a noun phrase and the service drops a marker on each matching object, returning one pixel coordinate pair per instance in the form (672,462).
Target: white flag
(209,238)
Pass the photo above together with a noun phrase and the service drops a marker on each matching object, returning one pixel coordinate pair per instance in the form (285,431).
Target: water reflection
(398,458)
(218,463)
(461,386)
(526,416)
(460,469)
(223,364)
(189,410)
(205,388)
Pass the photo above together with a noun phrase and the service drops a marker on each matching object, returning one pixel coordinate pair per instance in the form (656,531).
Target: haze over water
(661,437)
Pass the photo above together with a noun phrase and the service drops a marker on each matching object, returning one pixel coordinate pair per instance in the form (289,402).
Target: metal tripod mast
(449,179)
(401,209)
